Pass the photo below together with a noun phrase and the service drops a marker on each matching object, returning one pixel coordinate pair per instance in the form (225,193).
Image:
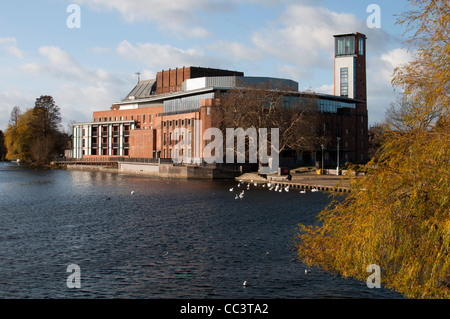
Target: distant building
(140,126)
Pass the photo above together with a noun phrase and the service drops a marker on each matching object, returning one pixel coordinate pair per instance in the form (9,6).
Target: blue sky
(87,69)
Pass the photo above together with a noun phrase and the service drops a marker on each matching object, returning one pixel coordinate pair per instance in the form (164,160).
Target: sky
(87,58)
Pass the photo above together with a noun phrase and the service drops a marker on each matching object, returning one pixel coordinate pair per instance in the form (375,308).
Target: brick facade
(142,127)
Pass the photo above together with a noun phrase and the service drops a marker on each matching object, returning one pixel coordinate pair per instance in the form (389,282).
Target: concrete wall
(139,168)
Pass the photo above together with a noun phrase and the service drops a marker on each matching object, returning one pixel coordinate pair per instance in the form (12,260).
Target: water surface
(171,239)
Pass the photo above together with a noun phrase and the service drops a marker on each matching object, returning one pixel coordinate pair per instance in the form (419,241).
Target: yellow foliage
(398,215)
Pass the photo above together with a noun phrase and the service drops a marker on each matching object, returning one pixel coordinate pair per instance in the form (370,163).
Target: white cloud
(379,75)
(325,89)
(157,56)
(181,17)
(381,69)
(10,98)
(235,50)
(303,35)
(11,46)
(76,89)
(61,65)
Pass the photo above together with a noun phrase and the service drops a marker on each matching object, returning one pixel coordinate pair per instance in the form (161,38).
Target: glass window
(361,46)
(344,82)
(345,45)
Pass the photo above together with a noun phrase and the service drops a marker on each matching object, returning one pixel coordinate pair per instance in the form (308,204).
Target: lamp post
(337,170)
(323,146)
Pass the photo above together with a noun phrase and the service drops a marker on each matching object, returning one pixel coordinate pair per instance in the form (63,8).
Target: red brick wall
(141,143)
(134,114)
(171,80)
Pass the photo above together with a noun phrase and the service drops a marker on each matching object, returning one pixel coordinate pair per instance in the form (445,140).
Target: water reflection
(171,239)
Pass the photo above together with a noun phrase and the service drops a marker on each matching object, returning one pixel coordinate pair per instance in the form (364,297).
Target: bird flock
(270,186)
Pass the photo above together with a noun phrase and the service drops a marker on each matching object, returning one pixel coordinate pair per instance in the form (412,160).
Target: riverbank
(163,170)
(308,180)
(300,179)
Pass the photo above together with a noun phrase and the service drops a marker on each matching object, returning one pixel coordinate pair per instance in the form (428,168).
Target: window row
(144,118)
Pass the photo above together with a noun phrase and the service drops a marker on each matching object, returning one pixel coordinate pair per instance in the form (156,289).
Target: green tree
(397,216)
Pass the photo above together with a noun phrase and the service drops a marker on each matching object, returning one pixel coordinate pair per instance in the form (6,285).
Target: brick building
(142,124)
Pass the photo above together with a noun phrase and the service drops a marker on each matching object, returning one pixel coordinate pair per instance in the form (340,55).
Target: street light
(338,139)
(323,146)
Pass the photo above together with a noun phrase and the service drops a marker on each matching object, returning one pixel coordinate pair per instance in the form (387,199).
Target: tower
(350,82)
(350,66)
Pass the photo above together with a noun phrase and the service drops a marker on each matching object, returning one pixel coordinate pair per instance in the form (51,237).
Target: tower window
(361,46)
(345,45)
(344,82)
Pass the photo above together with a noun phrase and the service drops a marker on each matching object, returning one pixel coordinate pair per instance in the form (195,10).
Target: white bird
(236,197)
(263,185)
(314,190)
(269,184)
(287,189)
(132,193)
(231,189)
(245,284)
(254,184)
(281,190)
(303,192)
(307,271)
(270,188)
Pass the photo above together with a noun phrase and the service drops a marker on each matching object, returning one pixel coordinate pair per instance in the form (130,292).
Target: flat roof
(104,123)
(347,34)
(166,96)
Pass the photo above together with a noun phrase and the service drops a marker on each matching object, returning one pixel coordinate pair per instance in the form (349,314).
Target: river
(170,239)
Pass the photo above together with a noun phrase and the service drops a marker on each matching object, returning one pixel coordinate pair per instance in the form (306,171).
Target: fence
(112,159)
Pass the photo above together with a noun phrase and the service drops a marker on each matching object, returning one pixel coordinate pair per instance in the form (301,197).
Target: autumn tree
(45,128)
(35,135)
(19,137)
(263,107)
(397,215)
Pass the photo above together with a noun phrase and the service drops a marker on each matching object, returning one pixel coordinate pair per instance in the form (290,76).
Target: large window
(344,82)
(185,104)
(345,45)
(361,45)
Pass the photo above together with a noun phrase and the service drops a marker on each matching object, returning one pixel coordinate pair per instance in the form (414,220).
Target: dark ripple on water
(171,239)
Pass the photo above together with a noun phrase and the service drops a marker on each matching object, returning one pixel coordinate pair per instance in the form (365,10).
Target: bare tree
(14,117)
(262,107)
